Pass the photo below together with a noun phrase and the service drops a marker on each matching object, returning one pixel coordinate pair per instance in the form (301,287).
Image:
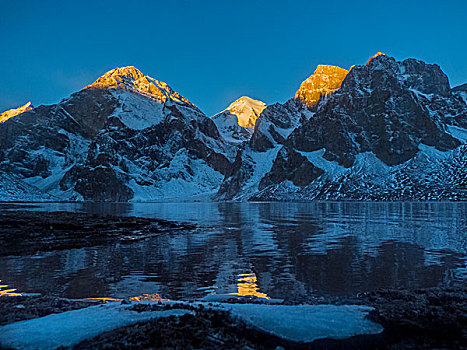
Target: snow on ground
(261,163)
(227,124)
(184,178)
(301,323)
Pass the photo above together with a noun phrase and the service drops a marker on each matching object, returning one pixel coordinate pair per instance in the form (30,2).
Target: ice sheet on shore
(71,327)
(306,323)
(301,323)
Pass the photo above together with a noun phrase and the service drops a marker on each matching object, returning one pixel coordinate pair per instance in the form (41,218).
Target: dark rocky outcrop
(26,232)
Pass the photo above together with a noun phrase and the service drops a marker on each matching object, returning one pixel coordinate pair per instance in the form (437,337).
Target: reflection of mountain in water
(290,249)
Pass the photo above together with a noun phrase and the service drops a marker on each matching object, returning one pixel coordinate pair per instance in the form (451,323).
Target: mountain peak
(126,76)
(131,78)
(374,56)
(247,110)
(15,111)
(323,81)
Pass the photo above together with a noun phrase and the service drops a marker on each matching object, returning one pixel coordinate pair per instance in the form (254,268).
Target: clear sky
(213,52)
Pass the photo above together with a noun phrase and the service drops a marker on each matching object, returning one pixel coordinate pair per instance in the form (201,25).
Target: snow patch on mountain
(458,133)
(137,111)
(331,168)
(184,178)
(227,124)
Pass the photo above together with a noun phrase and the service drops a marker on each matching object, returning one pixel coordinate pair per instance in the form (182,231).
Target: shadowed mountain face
(384,130)
(125,137)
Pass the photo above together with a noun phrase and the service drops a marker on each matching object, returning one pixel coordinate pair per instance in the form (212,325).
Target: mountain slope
(247,110)
(124,137)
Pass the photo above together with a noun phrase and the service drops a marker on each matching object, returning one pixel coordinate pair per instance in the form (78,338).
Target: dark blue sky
(215,51)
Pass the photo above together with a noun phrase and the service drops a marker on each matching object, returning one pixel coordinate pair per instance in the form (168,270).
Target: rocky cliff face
(325,79)
(125,137)
(14,112)
(131,79)
(393,130)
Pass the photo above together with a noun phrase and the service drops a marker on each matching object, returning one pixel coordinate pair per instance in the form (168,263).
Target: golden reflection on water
(247,286)
(150,297)
(8,292)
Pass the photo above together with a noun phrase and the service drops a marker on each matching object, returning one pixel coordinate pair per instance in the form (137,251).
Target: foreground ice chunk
(71,327)
(306,323)
(300,323)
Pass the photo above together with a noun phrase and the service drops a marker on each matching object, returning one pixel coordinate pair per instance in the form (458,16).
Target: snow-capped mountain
(124,137)
(393,130)
(384,130)
(237,121)
(15,111)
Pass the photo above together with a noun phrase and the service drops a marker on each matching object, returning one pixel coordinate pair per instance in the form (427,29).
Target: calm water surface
(278,250)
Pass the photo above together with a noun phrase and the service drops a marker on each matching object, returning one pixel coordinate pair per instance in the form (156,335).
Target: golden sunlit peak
(131,78)
(323,81)
(247,110)
(374,56)
(144,297)
(14,112)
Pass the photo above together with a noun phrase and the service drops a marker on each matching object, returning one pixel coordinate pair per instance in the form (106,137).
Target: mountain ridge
(384,130)
(15,111)
(131,78)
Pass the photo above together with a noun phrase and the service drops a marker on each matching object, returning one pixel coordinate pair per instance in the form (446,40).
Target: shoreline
(28,232)
(412,319)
